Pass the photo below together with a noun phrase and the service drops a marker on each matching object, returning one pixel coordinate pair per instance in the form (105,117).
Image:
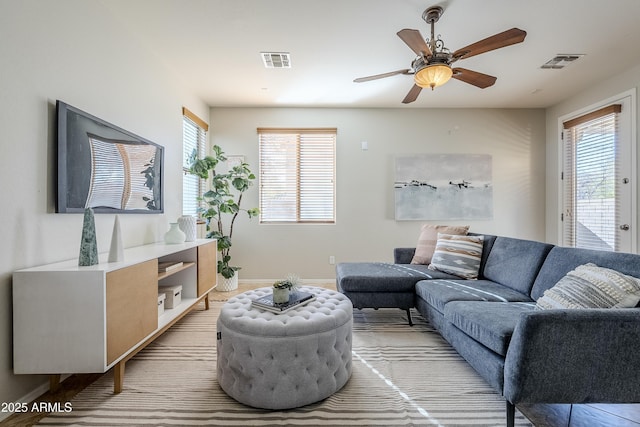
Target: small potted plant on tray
(283,288)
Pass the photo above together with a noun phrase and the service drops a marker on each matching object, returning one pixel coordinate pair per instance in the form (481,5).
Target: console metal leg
(511,414)
(409,317)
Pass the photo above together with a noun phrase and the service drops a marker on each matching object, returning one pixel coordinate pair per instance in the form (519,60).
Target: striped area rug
(402,376)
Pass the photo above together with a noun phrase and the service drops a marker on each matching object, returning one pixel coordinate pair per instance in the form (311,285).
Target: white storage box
(174,295)
(161,299)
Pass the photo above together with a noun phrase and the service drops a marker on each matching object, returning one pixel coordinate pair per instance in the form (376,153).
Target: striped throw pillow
(429,237)
(590,286)
(458,255)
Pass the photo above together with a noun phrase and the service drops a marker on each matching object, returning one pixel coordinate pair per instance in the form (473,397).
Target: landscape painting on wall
(443,187)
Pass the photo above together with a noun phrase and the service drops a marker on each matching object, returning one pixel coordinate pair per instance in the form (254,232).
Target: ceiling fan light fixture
(433,75)
(432,65)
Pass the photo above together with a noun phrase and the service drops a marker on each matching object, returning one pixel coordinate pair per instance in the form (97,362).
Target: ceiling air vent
(561,61)
(276,59)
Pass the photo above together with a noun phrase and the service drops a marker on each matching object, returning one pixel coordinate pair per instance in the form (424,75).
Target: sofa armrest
(574,356)
(403,255)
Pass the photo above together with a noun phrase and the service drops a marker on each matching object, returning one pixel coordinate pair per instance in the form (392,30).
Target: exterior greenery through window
(297,175)
(194,138)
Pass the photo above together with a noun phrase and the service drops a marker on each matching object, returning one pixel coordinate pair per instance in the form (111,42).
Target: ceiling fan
(432,67)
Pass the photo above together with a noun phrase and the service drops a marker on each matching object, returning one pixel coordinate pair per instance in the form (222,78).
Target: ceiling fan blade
(381,76)
(473,77)
(415,41)
(412,95)
(506,38)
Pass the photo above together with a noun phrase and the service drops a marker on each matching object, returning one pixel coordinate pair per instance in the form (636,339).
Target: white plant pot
(280,295)
(226,285)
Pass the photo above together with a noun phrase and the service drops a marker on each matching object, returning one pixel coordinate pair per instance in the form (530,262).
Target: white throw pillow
(590,286)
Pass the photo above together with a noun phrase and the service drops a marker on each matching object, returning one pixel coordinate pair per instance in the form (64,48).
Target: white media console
(69,319)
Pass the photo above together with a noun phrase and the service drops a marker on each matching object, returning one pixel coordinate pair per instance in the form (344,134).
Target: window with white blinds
(194,138)
(592,180)
(297,175)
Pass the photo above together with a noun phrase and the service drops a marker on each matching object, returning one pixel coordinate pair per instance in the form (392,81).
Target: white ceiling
(214,47)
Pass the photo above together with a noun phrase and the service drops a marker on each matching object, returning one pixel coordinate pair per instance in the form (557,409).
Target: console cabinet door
(132,307)
(207,267)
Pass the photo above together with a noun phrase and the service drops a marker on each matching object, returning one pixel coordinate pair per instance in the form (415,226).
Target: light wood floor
(592,415)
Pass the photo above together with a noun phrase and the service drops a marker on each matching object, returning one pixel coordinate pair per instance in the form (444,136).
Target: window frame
(592,150)
(627,134)
(189,118)
(310,144)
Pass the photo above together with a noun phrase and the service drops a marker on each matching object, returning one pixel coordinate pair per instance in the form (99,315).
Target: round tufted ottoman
(281,361)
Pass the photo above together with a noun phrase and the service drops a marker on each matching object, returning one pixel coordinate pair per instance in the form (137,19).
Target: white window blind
(297,175)
(194,137)
(592,180)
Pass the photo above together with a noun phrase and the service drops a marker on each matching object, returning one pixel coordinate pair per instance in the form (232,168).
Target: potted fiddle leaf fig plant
(223,204)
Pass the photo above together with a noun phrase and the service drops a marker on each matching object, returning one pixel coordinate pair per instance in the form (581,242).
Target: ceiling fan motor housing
(437,58)
(432,14)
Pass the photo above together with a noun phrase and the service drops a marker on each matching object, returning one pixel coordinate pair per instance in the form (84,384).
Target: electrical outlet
(332,259)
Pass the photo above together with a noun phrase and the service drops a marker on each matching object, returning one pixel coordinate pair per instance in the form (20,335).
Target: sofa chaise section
(391,285)
(383,285)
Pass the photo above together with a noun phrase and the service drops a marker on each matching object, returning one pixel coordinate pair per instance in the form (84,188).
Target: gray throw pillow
(590,286)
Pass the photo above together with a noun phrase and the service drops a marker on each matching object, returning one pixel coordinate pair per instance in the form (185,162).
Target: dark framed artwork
(104,167)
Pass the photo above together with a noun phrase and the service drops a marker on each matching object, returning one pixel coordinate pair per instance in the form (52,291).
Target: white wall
(614,86)
(75,51)
(365,228)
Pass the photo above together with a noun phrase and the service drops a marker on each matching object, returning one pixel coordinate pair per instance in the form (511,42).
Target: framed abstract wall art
(443,187)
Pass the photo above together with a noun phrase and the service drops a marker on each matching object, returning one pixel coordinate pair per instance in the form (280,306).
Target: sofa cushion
(428,238)
(438,293)
(458,255)
(562,260)
(382,277)
(515,262)
(489,323)
(590,286)
(487,245)
(403,255)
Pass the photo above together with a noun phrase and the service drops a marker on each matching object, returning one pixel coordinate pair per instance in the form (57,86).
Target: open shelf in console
(184,266)
(186,275)
(171,314)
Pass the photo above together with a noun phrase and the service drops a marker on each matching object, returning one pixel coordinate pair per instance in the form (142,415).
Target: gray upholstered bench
(288,360)
(383,285)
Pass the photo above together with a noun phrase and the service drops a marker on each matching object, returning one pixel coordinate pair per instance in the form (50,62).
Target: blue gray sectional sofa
(528,355)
